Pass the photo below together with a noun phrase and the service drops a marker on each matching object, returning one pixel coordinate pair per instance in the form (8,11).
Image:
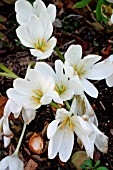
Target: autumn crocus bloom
(64,88)
(24,9)
(86,68)
(28,114)
(32,92)
(109,80)
(11,162)
(36,35)
(61,134)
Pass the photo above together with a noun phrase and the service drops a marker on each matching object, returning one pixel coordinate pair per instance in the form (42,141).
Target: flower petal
(52,43)
(41,55)
(73,54)
(24,36)
(52,128)
(47,25)
(6,129)
(100,71)
(109,81)
(28,115)
(23,86)
(51,9)
(6,141)
(88,61)
(54,144)
(46,98)
(24,9)
(39,6)
(45,69)
(89,88)
(66,145)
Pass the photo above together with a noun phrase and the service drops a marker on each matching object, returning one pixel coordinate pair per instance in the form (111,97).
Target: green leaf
(88,163)
(98,9)
(81,4)
(97,163)
(82,166)
(102,168)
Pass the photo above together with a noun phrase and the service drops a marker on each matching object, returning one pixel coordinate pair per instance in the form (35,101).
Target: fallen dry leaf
(3,101)
(31,165)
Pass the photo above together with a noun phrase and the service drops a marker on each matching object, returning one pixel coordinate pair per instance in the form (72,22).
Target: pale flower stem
(20,140)
(54,105)
(8,75)
(29,66)
(59,54)
(67,105)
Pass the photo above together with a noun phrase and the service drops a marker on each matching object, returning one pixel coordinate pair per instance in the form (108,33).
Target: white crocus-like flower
(111,1)
(28,114)
(82,107)
(86,68)
(64,88)
(36,35)
(109,80)
(11,162)
(97,137)
(5,131)
(24,9)
(32,92)
(61,134)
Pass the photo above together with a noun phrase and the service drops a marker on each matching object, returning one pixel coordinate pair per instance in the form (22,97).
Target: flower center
(37,95)
(79,70)
(40,45)
(67,121)
(60,88)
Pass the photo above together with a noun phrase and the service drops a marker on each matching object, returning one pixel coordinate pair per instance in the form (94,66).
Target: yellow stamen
(60,88)
(41,45)
(37,95)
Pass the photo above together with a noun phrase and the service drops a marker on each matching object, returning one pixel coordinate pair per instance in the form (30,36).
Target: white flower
(28,114)
(81,106)
(36,35)
(109,80)
(5,131)
(111,1)
(61,134)
(64,88)
(111,19)
(11,163)
(24,9)
(86,68)
(37,90)
(97,137)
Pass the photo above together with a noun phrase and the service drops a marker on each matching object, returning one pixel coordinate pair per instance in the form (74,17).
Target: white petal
(24,9)
(62,114)
(15,109)
(109,81)
(111,19)
(46,99)
(21,99)
(35,31)
(100,71)
(41,55)
(24,36)
(4,163)
(54,144)
(89,88)
(56,98)
(6,129)
(45,69)
(39,7)
(67,95)
(7,110)
(22,86)
(66,145)
(69,70)
(51,9)
(52,43)
(59,68)
(52,128)
(73,106)
(101,140)
(6,141)
(88,61)
(76,86)
(28,115)
(47,25)
(73,54)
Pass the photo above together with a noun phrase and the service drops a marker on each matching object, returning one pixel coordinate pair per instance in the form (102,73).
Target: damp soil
(72,26)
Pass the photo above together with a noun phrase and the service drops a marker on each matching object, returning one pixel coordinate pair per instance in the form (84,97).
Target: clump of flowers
(42,86)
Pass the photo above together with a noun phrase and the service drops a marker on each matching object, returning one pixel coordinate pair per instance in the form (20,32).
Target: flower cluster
(44,85)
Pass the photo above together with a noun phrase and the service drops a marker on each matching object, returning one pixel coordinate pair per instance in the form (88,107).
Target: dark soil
(72,27)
